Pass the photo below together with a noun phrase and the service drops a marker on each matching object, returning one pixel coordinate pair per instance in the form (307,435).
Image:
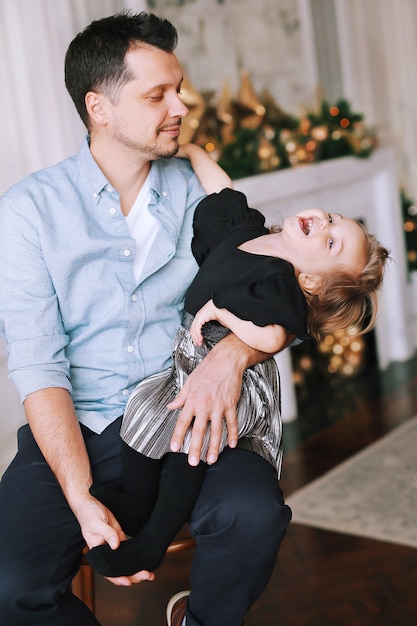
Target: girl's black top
(255,287)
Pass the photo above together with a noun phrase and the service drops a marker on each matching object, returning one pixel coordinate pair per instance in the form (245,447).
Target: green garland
(335,131)
(409,213)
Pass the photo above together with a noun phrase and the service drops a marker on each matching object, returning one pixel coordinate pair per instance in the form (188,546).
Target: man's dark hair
(95,59)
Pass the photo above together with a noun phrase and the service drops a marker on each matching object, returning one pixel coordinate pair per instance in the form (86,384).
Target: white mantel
(357,188)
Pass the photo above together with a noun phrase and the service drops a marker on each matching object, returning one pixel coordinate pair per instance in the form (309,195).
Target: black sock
(133,505)
(180,487)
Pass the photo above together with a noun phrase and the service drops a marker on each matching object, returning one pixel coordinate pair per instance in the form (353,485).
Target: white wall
(218,39)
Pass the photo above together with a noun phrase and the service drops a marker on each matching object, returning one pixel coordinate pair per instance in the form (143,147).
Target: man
(95,260)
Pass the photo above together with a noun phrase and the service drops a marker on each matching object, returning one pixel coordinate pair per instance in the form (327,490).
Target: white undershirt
(142,227)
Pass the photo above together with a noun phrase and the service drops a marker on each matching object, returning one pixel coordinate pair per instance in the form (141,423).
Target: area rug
(373,494)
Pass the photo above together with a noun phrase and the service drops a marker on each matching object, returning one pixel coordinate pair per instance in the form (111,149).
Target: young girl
(319,273)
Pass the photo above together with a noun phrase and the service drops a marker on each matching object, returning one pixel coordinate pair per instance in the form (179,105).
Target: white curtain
(380,63)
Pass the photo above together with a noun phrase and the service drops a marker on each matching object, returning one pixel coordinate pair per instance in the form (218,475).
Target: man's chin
(170,152)
(163,152)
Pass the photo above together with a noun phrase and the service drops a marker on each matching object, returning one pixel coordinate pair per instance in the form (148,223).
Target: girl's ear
(309,283)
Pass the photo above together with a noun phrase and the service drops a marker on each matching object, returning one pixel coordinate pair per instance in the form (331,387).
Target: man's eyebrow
(163,86)
(158,86)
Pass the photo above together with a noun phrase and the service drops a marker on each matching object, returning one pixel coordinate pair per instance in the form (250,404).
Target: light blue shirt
(70,311)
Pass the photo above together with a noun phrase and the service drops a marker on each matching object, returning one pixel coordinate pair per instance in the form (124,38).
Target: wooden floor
(321,578)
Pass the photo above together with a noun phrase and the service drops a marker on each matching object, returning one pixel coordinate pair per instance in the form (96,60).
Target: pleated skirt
(148,425)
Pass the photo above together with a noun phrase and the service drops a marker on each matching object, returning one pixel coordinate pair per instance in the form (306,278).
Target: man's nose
(178,108)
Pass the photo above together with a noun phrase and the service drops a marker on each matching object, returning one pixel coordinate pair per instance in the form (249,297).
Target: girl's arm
(272,338)
(212,178)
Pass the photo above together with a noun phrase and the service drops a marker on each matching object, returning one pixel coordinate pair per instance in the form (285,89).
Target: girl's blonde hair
(347,301)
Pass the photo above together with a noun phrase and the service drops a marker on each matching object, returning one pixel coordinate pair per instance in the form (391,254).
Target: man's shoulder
(46,177)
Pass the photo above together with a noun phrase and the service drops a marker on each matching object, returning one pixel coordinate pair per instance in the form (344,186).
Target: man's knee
(261,517)
(242,496)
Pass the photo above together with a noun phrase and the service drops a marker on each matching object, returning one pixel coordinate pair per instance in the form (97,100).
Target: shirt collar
(90,172)
(159,181)
(96,181)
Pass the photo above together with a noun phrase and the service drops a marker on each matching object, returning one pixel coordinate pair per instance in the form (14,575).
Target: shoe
(176,608)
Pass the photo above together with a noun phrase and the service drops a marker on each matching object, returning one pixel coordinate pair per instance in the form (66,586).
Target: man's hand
(98,526)
(51,415)
(210,395)
(128,581)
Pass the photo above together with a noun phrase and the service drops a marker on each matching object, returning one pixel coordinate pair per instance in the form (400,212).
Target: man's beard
(150,151)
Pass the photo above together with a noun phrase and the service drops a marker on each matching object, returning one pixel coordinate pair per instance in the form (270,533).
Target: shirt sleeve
(275,299)
(216,216)
(30,320)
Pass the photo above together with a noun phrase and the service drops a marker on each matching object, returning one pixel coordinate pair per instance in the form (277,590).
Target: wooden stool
(83,584)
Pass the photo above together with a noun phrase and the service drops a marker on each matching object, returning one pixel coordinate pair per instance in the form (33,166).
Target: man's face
(147,115)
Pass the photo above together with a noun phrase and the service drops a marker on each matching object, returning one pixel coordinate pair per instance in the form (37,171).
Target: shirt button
(164,193)
(127,252)
(134,298)
(95,195)
(130,348)
(125,392)
(112,211)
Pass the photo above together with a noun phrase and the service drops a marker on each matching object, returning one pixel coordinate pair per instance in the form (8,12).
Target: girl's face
(319,243)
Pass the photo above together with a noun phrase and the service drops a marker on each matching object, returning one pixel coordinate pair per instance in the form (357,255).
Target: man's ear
(95,108)
(309,283)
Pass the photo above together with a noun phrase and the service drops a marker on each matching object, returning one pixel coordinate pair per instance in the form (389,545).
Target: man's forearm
(244,355)
(52,419)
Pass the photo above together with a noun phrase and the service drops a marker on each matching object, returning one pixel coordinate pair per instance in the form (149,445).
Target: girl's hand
(207,313)
(211,176)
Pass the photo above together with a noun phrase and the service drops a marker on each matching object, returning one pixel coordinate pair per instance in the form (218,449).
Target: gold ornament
(249,107)
(196,104)
(225,113)
(267,153)
(275,115)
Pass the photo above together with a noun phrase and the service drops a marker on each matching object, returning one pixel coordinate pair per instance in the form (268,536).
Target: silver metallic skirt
(148,425)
